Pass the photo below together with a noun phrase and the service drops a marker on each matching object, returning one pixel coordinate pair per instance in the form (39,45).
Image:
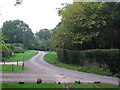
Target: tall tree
(43,39)
(18,32)
(88,26)
(111,32)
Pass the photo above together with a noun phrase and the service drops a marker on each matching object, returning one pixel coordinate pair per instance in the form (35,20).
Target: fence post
(4,62)
(17,63)
(23,65)
(12,67)
(118,81)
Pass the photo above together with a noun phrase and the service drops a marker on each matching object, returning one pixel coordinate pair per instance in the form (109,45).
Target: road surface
(38,68)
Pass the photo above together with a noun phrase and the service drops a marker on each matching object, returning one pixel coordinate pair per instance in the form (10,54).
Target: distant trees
(18,37)
(18,32)
(43,39)
(88,26)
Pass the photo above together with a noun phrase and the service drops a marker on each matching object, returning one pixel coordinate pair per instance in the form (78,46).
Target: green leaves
(18,32)
(93,25)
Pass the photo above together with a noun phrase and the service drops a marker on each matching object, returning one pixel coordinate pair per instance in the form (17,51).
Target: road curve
(38,68)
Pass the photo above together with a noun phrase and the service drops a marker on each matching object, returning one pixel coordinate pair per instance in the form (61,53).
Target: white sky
(38,14)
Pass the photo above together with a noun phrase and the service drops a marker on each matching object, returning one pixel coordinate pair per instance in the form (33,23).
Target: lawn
(18,57)
(52,85)
(8,68)
(52,58)
(22,56)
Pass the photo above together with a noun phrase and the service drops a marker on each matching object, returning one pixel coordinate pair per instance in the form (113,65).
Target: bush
(103,58)
(68,56)
(6,52)
(114,61)
(18,50)
(17,47)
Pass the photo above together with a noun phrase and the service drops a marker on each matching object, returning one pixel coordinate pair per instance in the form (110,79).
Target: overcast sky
(38,14)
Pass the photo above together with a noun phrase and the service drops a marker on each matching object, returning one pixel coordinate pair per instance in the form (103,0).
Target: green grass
(52,85)
(22,56)
(8,68)
(52,58)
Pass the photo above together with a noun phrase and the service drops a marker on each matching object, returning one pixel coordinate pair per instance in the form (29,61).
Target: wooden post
(4,62)
(23,65)
(17,63)
(12,67)
(118,81)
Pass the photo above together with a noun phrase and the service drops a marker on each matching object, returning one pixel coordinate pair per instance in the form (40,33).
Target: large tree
(18,32)
(43,39)
(88,26)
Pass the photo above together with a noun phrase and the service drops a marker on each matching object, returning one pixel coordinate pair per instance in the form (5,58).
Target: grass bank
(22,56)
(51,85)
(52,58)
(8,68)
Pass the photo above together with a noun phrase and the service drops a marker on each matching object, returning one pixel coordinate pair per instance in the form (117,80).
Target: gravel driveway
(38,68)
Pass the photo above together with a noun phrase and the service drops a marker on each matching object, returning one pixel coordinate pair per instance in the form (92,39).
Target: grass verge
(51,85)
(8,68)
(22,56)
(52,59)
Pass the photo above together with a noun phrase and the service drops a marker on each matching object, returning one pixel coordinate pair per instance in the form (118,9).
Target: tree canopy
(18,32)
(43,39)
(88,25)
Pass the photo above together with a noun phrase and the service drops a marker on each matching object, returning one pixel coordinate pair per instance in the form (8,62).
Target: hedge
(103,58)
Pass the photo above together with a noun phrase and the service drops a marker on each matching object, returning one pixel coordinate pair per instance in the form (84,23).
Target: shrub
(18,50)
(6,52)
(103,58)
(114,61)
(17,47)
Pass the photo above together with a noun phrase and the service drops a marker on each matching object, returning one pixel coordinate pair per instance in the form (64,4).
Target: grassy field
(52,58)
(22,56)
(8,68)
(51,85)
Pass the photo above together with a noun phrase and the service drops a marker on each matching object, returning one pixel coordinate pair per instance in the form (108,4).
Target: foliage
(18,50)
(18,32)
(43,39)
(88,26)
(43,34)
(107,59)
(9,49)
(52,59)
(6,52)
(17,47)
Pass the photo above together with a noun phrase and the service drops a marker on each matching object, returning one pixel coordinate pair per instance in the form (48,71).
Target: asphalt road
(38,68)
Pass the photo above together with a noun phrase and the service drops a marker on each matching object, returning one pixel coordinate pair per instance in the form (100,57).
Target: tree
(43,34)
(111,32)
(43,39)
(88,26)
(18,32)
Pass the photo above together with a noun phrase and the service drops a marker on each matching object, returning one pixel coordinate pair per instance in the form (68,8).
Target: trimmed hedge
(103,58)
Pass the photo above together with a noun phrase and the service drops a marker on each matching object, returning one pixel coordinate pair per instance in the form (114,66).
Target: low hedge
(104,58)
